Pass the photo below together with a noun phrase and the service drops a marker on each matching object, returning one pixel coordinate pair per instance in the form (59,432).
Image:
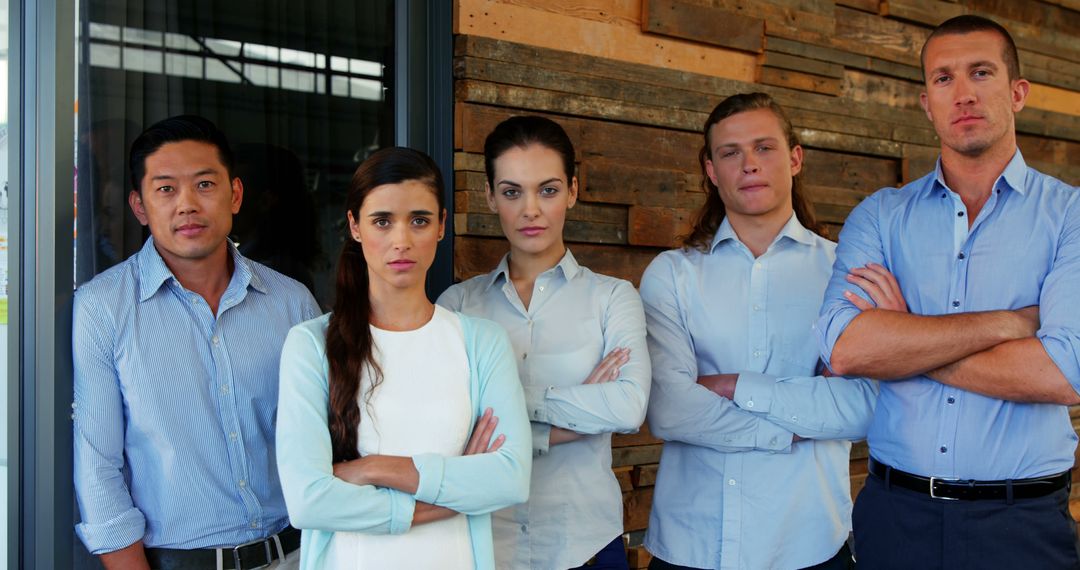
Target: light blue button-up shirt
(174,408)
(575,317)
(733,491)
(1023,249)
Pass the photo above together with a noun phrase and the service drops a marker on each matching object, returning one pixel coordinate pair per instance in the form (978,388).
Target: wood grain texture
(703,24)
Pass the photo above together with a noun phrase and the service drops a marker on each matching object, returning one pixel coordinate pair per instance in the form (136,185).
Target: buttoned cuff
(121,531)
(402,510)
(430,467)
(535,403)
(541,438)
(754,392)
(771,437)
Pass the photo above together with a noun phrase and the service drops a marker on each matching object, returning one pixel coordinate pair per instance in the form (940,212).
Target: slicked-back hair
(524,131)
(176,129)
(967,24)
(712,212)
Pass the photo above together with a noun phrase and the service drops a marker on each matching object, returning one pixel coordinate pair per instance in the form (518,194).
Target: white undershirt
(421,406)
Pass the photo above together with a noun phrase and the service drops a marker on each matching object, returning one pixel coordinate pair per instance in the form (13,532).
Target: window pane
(4,138)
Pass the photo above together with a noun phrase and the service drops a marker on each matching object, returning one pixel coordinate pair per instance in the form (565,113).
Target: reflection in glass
(3,282)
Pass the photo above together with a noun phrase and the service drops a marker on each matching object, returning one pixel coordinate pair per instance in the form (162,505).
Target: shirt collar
(153,271)
(568,265)
(793,230)
(1014,176)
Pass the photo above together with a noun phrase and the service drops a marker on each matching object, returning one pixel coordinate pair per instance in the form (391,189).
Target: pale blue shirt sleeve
(813,407)
(680,409)
(616,406)
(315,498)
(485,482)
(1059,308)
(860,243)
(110,520)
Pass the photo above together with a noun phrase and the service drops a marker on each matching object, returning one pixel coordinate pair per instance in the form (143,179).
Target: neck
(973,176)
(396,309)
(757,233)
(207,277)
(525,267)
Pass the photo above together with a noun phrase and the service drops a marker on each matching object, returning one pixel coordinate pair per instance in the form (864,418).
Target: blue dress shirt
(733,491)
(174,408)
(1023,249)
(575,317)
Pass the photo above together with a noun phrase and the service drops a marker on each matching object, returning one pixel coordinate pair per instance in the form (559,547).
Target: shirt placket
(732,520)
(758,333)
(523,549)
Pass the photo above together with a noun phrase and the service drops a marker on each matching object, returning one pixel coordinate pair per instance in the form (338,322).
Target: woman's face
(531,196)
(398,227)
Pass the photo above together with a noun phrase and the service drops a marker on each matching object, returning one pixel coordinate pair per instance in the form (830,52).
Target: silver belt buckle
(945,479)
(266,548)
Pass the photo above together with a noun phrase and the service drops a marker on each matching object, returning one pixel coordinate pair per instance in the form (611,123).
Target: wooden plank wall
(632,81)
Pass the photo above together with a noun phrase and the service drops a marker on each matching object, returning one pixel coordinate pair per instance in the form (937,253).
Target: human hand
(480,440)
(722,385)
(880,284)
(608,369)
(352,471)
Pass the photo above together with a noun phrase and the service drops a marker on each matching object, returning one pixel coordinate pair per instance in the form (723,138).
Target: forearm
(1018,370)
(392,472)
(130,558)
(814,407)
(428,513)
(890,345)
(560,435)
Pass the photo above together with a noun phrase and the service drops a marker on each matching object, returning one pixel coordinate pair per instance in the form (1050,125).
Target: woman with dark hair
(579,341)
(378,399)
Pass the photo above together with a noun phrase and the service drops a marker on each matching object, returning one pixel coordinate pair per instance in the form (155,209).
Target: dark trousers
(611,557)
(900,529)
(841,561)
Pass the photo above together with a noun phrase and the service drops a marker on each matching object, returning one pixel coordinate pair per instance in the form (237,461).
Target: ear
(711,172)
(490,196)
(354,227)
(1020,90)
(796,160)
(237,195)
(924,100)
(573,191)
(135,201)
(442,224)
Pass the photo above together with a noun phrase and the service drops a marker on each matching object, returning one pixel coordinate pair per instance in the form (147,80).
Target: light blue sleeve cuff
(771,437)
(430,467)
(402,509)
(541,438)
(535,403)
(754,392)
(1063,353)
(121,531)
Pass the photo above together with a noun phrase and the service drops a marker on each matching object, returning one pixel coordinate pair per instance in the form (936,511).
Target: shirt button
(731,482)
(750,404)
(524,355)
(224,388)
(215,339)
(524,529)
(757,353)
(254,524)
(242,483)
(951,400)
(943,449)
(757,265)
(757,307)
(961,256)
(959,214)
(956,303)
(541,288)
(795,419)
(194,300)
(232,436)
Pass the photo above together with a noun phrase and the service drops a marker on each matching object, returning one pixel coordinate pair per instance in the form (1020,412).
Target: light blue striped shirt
(174,409)
(732,490)
(1022,250)
(575,317)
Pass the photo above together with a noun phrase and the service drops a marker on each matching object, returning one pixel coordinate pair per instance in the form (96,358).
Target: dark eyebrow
(508,183)
(162,177)
(550,180)
(756,141)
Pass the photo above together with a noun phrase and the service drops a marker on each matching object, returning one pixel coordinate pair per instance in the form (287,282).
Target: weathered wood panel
(699,23)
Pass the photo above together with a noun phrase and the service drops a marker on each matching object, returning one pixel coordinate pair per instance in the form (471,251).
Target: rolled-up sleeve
(1059,310)
(315,498)
(616,406)
(110,520)
(860,243)
(680,409)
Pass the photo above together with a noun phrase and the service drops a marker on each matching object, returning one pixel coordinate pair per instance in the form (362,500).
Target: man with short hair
(977,338)
(735,389)
(176,354)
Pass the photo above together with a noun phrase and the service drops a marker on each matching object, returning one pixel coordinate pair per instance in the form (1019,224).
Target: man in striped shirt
(176,356)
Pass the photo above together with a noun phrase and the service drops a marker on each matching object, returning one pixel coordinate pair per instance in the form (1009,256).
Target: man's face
(969,97)
(188,200)
(751,164)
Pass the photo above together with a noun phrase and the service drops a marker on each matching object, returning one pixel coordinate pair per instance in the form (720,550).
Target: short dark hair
(522,131)
(176,129)
(967,24)
(712,211)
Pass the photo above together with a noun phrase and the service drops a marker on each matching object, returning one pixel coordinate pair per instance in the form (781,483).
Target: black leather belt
(970,489)
(255,554)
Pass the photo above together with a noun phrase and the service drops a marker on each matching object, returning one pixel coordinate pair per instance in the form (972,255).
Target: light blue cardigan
(476,485)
